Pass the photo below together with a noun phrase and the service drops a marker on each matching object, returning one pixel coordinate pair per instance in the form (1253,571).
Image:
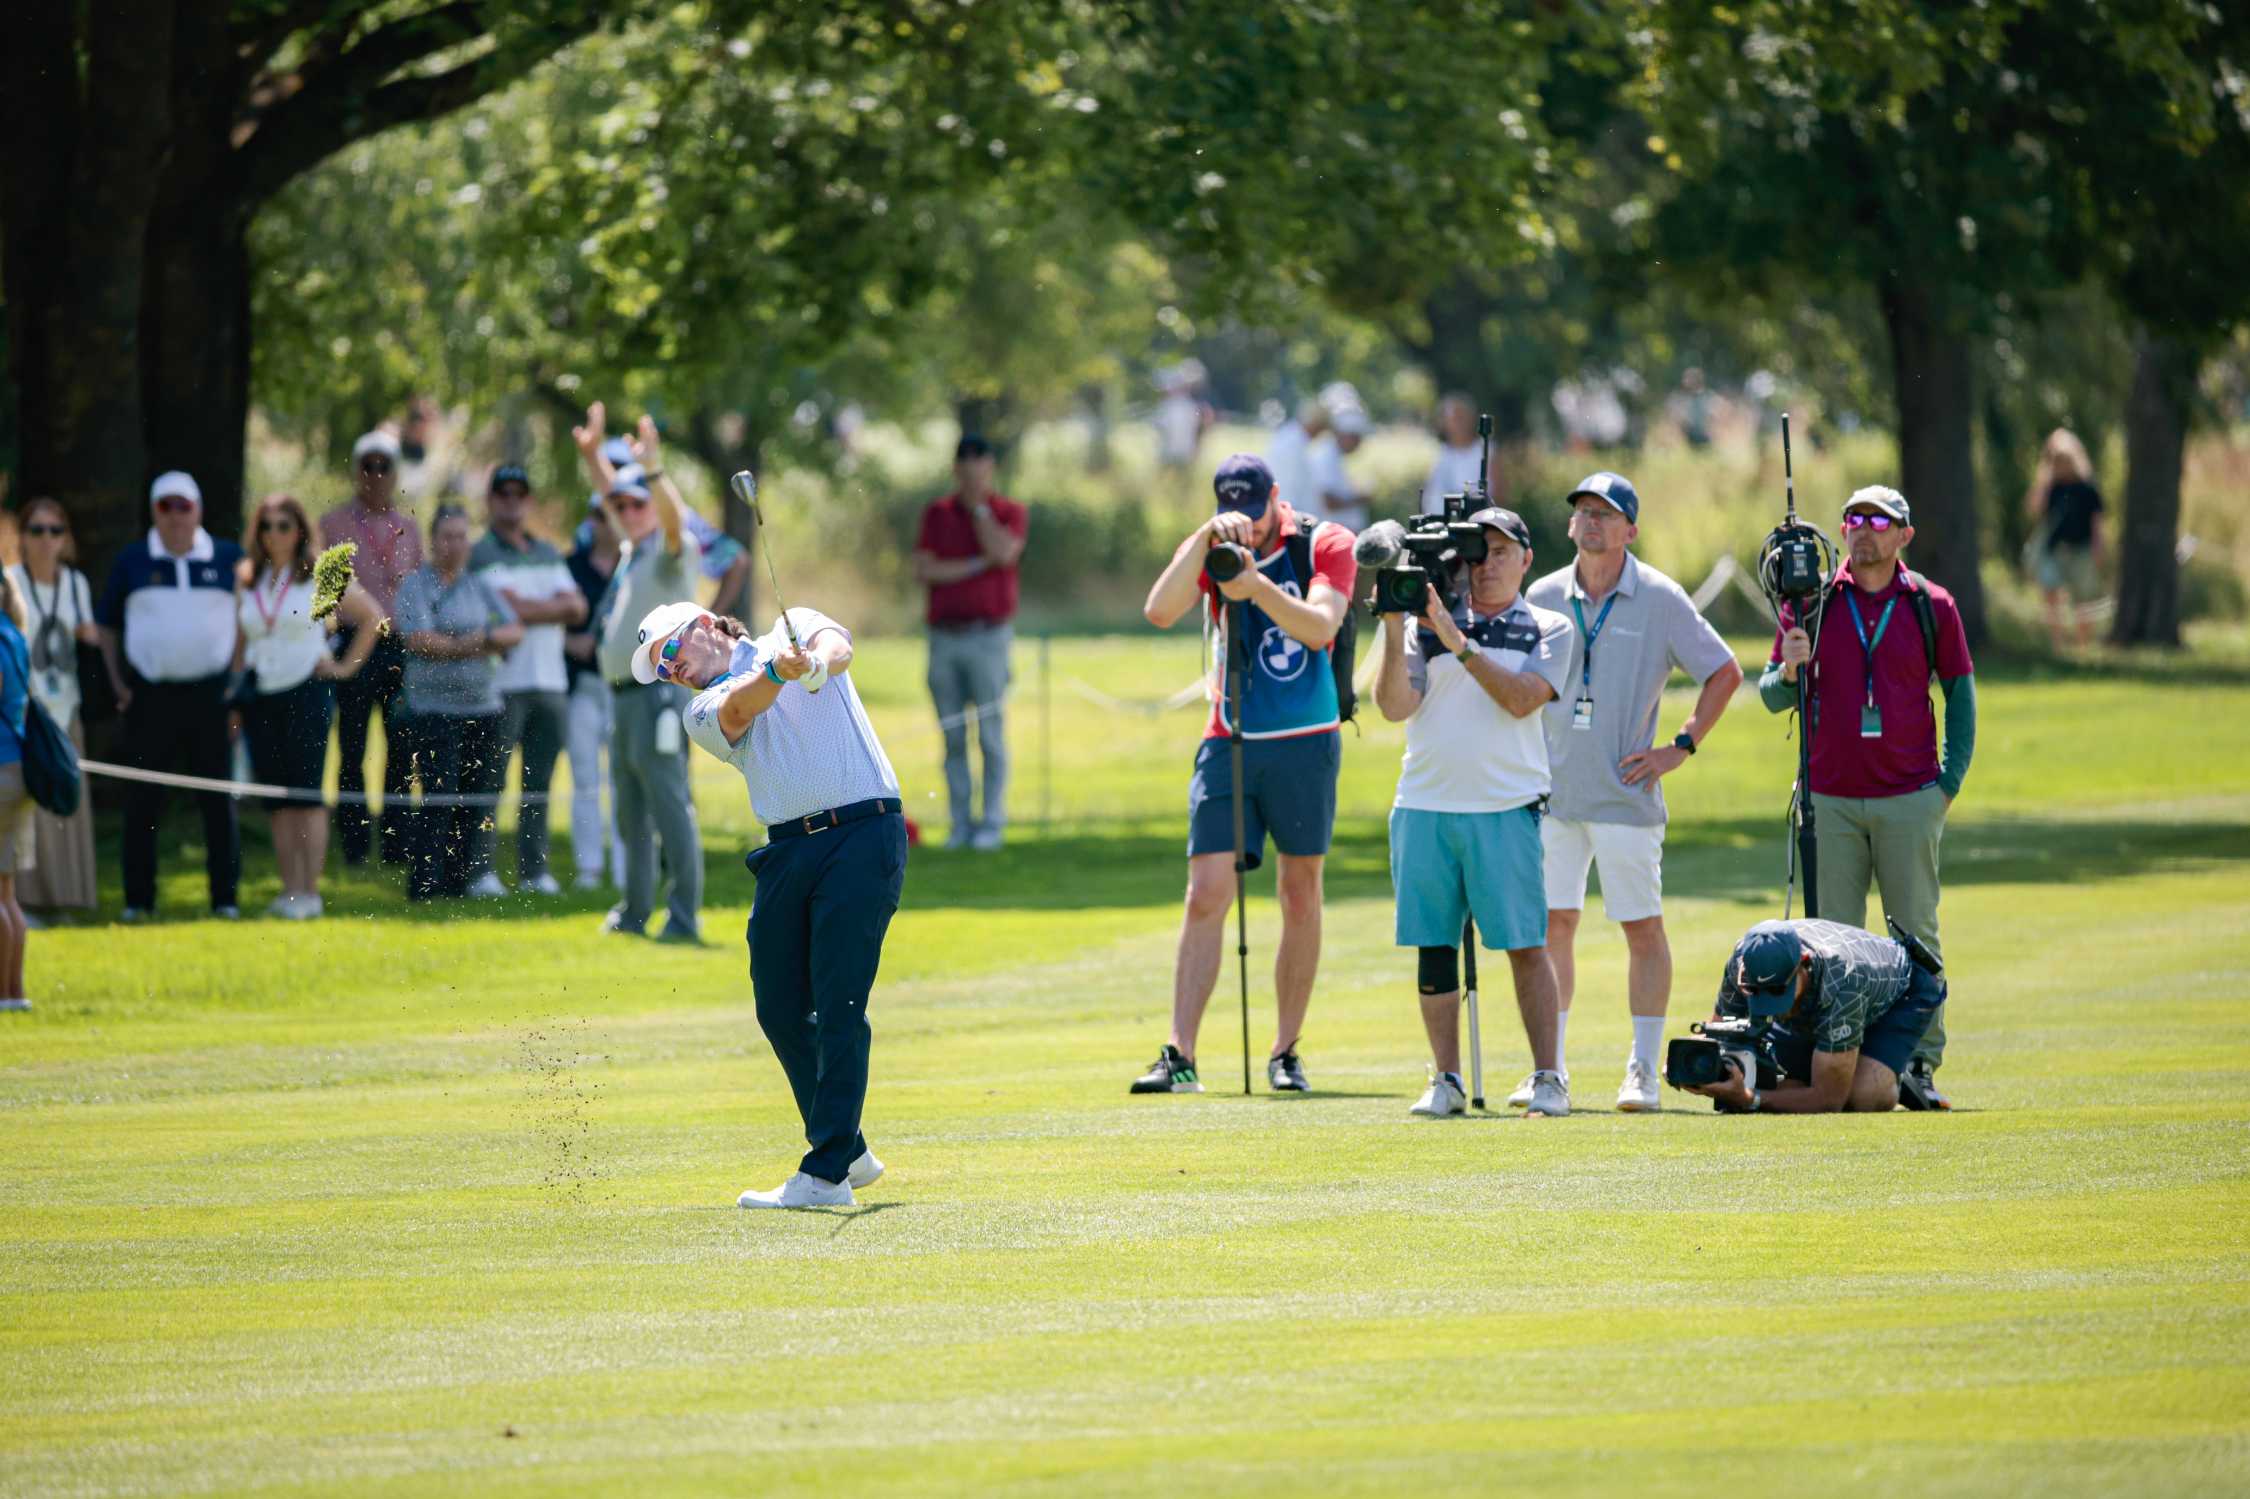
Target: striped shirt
(809,751)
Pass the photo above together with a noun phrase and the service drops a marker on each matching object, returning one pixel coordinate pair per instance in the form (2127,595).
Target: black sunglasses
(375,466)
(277,523)
(45,531)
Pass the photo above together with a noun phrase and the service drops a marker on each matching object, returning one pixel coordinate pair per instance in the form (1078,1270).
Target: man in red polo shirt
(966,555)
(1880,790)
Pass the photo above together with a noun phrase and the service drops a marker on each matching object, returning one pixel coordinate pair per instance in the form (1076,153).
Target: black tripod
(1238,624)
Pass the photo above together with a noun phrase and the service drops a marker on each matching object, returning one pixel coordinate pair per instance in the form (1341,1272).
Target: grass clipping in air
(332,574)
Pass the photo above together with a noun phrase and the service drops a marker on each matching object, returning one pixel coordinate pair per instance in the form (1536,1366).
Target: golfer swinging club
(786,716)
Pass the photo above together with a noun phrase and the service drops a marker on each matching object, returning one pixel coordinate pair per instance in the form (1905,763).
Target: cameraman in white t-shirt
(1469,683)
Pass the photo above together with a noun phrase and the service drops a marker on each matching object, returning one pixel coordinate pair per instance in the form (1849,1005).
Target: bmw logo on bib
(1281,653)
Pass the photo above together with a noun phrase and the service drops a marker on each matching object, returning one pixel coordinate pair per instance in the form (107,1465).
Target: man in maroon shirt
(966,555)
(390,547)
(1879,791)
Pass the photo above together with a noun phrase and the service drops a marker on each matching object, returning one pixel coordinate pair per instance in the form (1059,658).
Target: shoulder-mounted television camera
(1429,552)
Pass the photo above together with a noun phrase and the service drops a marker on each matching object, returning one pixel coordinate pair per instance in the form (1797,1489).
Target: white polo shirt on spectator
(1464,752)
(537,572)
(176,614)
(1456,471)
(808,752)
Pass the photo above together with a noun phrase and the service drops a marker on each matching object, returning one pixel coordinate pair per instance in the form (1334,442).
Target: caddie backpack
(1343,652)
(1925,614)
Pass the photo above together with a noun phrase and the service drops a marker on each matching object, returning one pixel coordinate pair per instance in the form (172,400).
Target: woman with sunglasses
(658,562)
(58,620)
(285,655)
(456,626)
(1880,790)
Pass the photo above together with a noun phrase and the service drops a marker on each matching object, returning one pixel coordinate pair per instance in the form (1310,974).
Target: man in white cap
(390,547)
(167,623)
(781,709)
(1335,496)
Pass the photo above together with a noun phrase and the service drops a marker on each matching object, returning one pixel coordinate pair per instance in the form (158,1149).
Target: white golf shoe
(1637,1094)
(1445,1096)
(865,1172)
(1550,1095)
(801,1191)
(1521,1098)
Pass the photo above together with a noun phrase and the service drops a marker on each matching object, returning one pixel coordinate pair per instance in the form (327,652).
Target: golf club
(745,487)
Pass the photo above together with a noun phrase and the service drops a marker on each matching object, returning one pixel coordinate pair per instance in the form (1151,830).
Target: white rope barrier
(306,794)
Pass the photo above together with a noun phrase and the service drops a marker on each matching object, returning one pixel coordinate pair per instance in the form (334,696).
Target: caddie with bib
(1281,619)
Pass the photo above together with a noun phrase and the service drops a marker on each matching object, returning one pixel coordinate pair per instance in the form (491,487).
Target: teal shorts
(1447,865)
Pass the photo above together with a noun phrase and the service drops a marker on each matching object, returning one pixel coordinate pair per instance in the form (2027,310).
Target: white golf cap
(174,482)
(377,441)
(657,626)
(1351,421)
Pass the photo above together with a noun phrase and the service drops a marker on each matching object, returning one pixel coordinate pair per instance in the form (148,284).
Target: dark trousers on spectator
(538,723)
(376,686)
(452,757)
(180,727)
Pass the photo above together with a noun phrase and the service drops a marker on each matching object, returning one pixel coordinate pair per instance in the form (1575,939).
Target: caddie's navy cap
(1765,960)
(510,473)
(1502,519)
(1615,488)
(1244,483)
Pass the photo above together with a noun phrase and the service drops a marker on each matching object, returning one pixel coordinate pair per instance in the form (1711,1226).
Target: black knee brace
(1440,970)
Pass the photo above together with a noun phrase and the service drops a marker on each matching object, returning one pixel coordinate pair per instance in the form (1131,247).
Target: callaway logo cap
(1244,483)
(657,626)
(1615,488)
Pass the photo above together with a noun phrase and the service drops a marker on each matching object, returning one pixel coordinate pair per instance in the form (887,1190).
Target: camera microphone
(1380,545)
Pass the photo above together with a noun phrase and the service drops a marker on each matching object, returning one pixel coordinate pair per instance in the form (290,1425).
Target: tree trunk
(2148,584)
(1932,369)
(78,187)
(195,364)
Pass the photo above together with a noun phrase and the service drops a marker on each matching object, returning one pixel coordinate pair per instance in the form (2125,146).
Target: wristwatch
(1468,651)
(1684,741)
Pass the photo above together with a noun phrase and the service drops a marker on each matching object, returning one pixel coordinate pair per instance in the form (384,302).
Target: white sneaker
(544,885)
(1637,1094)
(801,1191)
(1445,1096)
(865,1172)
(1521,1098)
(985,840)
(15,1004)
(588,879)
(487,887)
(1550,1095)
(284,906)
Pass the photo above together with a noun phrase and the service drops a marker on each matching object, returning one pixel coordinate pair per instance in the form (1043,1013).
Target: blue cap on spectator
(631,480)
(619,452)
(1615,488)
(1765,960)
(510,473)
(1244,483)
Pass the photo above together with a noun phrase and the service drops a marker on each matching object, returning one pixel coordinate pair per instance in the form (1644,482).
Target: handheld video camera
(1426,553)
(1702,1059)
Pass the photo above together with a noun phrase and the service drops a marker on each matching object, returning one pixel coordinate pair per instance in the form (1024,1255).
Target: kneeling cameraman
(1860,1005)
(1469,680)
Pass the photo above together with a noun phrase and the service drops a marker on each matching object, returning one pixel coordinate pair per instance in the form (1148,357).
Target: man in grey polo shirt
(1630,626)
(657,563)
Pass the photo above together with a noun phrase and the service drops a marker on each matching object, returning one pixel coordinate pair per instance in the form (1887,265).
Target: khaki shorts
(17,850)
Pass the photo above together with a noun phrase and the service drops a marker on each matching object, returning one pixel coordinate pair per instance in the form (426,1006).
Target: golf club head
(745,487)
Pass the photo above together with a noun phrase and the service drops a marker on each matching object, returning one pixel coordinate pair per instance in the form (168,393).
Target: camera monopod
(1795,567)
(1238,647)
(1476,1032)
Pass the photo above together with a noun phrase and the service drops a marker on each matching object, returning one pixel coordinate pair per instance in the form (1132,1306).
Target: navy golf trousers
(824,902)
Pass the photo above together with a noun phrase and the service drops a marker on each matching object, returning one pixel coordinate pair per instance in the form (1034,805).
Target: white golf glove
(814,680)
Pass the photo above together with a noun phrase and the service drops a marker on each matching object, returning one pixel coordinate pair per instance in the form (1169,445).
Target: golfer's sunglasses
(666,654)
(1857,522)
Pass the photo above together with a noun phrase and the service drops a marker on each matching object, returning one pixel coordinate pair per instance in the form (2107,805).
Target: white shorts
(1632,866)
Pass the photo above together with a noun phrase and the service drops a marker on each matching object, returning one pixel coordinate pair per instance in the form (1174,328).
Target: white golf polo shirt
(809,751)
(1464,752)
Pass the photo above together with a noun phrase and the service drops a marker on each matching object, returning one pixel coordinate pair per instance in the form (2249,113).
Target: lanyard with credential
(1582,712)
(1870,716)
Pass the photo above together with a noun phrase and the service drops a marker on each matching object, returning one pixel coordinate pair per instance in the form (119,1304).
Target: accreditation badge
(1582,714)
(1870,722)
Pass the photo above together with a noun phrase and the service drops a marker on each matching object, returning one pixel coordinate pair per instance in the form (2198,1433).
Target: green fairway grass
(440,1201)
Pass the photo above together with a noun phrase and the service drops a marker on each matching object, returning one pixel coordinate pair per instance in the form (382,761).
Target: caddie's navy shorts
(1288,790)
